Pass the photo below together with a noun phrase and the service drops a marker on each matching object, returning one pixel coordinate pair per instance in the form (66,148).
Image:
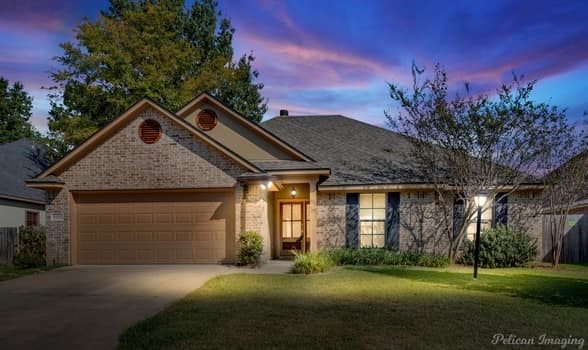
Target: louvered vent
(206,119)
(150,131)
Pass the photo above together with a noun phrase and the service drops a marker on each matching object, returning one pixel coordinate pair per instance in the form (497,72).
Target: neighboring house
(19,205)
(155,186)
(575,239)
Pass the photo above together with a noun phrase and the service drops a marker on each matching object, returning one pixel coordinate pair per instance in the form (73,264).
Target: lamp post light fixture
(480,200)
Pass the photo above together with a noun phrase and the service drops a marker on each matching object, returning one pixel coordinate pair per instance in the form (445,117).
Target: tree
(154,48)
(468,143)
(566,183)
(15,112)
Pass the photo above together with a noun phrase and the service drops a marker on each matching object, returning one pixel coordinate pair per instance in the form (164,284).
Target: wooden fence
(8,244)
(575,242)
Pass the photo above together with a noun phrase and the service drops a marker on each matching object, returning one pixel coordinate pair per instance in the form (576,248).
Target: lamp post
(480,200)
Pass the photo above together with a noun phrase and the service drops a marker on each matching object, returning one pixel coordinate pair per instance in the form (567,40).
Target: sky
(337,56)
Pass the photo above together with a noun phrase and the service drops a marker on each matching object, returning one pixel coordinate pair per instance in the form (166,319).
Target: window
(32,218)
(291,220)
(372,220)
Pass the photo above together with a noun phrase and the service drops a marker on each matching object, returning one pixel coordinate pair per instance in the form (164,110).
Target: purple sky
(319,56)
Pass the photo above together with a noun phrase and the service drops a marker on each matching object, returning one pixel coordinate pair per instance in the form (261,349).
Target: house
(575,237)
(19,205)
(155,186)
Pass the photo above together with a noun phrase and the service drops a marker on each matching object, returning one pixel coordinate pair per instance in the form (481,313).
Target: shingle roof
(356,152)
(269,165)
(20,161)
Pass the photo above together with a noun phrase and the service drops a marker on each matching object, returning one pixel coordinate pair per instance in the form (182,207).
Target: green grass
(371,308)
(10,272)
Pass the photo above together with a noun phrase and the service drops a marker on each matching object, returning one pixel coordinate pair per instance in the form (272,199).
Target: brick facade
(330,231)
(255,215)
(420,220)
(179,160)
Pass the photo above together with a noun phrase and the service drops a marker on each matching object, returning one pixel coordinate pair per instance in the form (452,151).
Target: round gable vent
(206,119)
(150,131)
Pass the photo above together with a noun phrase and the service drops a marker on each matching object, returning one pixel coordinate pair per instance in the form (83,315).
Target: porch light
(293,192)
(269,184)
(263,187)
(480,200)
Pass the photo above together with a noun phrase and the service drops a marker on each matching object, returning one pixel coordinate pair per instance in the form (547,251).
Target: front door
(293,224)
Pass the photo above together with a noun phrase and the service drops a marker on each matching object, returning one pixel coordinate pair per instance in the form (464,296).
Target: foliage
(565,183)
(502,247)
(473,141)
(156,48)
(15,112)
(31,247)
(307,263)
(325,259)
(250,248)
(368,256)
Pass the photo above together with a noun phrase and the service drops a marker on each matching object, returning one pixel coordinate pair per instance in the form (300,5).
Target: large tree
(466,143)
(15,112)
(156,48)
(566,183)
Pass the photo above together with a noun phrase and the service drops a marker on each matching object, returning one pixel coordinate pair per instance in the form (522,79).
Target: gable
(238,134)
(179,159)
(114,126)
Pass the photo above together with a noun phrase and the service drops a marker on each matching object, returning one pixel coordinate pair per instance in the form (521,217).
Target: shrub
(501,247)
(308,263)
(372,256)
(31,247)
(250,248)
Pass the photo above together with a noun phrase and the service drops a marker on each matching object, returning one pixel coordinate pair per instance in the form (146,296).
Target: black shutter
(501,210)
(393,220)
(352,221)
(458,215)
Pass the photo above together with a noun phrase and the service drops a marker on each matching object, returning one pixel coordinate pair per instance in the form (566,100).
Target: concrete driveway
(88,307)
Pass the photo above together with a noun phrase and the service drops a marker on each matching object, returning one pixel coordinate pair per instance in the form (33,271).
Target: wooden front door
(293,227)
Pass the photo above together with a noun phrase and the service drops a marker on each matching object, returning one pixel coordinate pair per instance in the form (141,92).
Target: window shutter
(458,213)
(352,221)
(393,220)
(501,210)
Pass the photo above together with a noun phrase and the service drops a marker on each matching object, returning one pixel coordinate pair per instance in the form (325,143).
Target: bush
(370,256)
(501,247)
(31,248)
(324,260)
(250,248)
(308,263)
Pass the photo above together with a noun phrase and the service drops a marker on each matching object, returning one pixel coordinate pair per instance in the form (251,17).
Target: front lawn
(10,272)
(371,307)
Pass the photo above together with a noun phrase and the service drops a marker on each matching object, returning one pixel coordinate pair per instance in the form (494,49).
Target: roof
(356,152)
(20,161)
(277,165)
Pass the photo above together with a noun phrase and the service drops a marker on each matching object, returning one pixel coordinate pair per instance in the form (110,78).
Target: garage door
(153,228)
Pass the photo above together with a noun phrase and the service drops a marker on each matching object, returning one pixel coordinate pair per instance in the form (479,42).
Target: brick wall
(420,223)
(421,227)
(254,215)
(330,230)
(523,213)
(123,162)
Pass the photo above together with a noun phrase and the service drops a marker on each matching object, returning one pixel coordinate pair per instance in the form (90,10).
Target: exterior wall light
(293,192)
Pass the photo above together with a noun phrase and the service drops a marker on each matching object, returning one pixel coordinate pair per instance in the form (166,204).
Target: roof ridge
(339,116)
